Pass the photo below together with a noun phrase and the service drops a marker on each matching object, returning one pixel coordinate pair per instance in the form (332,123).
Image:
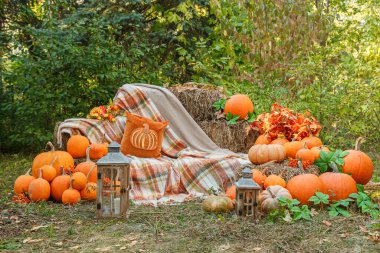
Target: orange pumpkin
(292,147)
(39,189)
(263,139)
(144,138)
(231,192)
(303,186)
(64,159)
(274,180)
(337,185)
(280,140)
(258,177)
(49,172)
(358,164)
(86,166)
(59,185)
(238,104)
(79,180)
(312,141)
(21,184)
(71,196)
(259,154)
(89,192)
(317,151)
(305,154)
(77,145)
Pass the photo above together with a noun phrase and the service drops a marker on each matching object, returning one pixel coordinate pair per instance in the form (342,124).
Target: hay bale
(232,137)
(286,172)
(198,99)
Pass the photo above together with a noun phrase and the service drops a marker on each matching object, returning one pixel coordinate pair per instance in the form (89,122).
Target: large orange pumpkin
(291,148)
(39,189)
(64,159)
(312,141)
(89,192)
(258,177)
(358,164)
(239,104)
(22,183)
(259,154)
(280,140)
(317,151)
(305,154)
(337,185)
(59,185)
(274,180)
(77,145)
(303,186)
(86,166)
(79,180)
(263,139)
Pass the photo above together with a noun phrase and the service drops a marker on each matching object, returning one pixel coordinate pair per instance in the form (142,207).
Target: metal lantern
(247,195)
(113,183)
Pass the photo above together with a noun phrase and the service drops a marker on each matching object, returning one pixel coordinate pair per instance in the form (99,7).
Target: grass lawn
(51,227)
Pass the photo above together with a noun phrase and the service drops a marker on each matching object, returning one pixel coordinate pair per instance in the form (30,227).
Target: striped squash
(144,138)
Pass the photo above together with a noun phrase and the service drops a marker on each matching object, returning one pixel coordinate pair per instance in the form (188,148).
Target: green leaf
(220,104)
(343,212)
(360,187)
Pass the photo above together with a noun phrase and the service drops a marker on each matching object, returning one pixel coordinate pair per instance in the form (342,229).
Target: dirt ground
(52,227)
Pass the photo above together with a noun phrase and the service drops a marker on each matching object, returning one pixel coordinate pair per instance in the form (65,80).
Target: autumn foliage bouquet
(282,120)
(108,112)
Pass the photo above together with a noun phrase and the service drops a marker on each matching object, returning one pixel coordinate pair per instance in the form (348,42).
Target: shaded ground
(50,227)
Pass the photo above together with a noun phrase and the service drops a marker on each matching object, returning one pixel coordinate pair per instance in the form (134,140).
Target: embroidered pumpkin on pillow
(142,136)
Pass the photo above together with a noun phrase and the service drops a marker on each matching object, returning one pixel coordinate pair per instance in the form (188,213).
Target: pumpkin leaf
(220,104)
(251,117)
(231,119)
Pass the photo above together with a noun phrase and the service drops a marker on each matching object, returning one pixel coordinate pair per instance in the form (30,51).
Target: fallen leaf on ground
(327,223)
(30,240)
(313,212)
(79,222)
(256,249)
(35,228)
(374,237)
(104,249)
(58,243)
(122,248)
(224,247)
(132,243)
(364,229)
(75,247)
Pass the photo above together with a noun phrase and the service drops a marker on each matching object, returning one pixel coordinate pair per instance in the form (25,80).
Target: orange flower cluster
(282,120)
(20,198)
(294,163)
(102,112)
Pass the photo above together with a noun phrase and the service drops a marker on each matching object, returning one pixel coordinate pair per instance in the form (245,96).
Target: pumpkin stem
(51,146)
(334,167)
(88,159)
(71,183)
(63,171)
(304,145)
(90,171)
(40,173)
(28,172)
(358,143)
(300,165)
(146,128)
(270,192)
(54,160)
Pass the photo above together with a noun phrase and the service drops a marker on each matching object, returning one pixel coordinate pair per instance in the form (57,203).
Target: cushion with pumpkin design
(142,137)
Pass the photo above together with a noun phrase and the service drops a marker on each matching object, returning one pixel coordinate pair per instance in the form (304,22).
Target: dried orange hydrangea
(282,120)
(102,112)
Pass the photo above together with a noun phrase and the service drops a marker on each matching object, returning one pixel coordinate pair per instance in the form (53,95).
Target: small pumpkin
(317,151)
(39,189)
(269,197)
(238,104)
(258,177)
(231,192)
(312,141)
(89,192)
(86,166)
(21,184)
(262,153)
(292,147)
(77,145)
(263,139)
(304,186)
(98,150)
(59,185)
(64,159)
(337,185)
(144,138)
(79,180)
(280,140)
(305,154)
(274,180)
(49,172)
(71,196)
(217,204)
(358,164)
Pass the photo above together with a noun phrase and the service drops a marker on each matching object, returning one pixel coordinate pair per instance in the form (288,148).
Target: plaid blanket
(180,171)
